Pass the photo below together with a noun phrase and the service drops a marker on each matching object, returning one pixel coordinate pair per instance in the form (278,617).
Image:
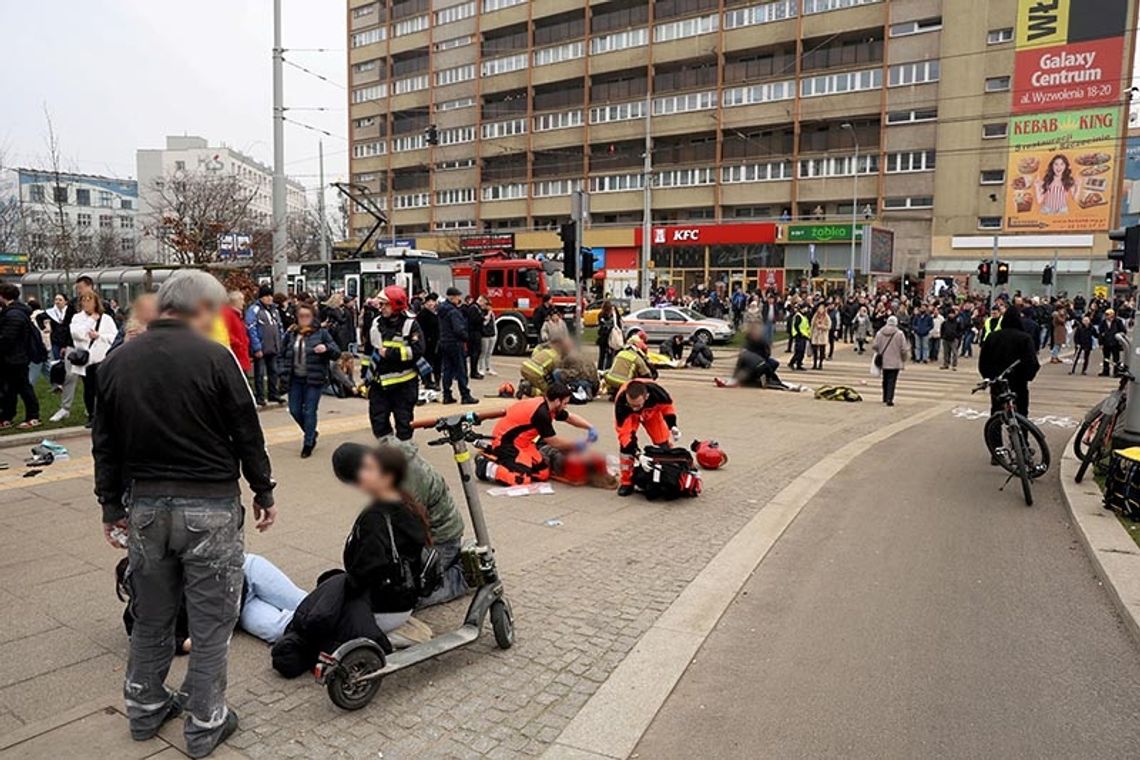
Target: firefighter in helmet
(398,344)
(538,370)
(631,362)
(642,403)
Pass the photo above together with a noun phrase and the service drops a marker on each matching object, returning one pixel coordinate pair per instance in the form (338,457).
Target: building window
(613,183)
(837,166)
(459,163)
(410,84)
(833,84)
(364,123)
(993,131)
(456,135)
(909,202)
(916,27)
(999,36)
(106,222)
(759,14)
(458,224)
(455,196)
(767,172)
(371,92)
(549,188)
(498,5)
(408,142)
(126,204)
(454,105)
(369,37)
(59,194)
(506,128)
(989,222)
(693,101)
(997,84)
(689,27)
(126,223)
(83,220)
(82,197)
(910,161)
(411,200)
(618,112)
(511,191)
(455,74)
(992,177)
(369,149)
(630,38)
(912,117)
(559,53)
(360,68)
(364,10)
(126,246)
(913,73)
(504,65)
(454,42)
(759,93)
(685,177)
(410,25)
(558,120)
(36,193)
(454,13)
(822,6)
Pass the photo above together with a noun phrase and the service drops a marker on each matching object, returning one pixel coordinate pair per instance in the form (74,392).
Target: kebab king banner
(1063,149)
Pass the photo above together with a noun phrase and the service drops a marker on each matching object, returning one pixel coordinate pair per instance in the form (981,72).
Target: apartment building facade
(785,121)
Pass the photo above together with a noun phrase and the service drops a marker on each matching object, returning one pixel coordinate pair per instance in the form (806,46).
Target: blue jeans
(968,343)
(270,599)
(303,402)
(922,348)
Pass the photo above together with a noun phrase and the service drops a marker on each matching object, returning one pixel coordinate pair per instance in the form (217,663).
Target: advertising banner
(822,233)
(13,264)
(1041,23)
(770,279)
(1060,176)
(1071,75)
(710,234)
(496,241)
(1130,194)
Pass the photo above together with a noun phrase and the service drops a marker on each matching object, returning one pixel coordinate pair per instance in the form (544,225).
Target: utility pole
(280,251)
(321,201)
(646,199)
(854,207)
(993,273)
(579,211)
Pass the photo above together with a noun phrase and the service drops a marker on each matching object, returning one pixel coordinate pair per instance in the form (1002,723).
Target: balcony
(501,13)
(823,18)
(759,25)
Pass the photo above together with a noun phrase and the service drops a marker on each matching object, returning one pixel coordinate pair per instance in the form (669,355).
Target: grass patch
(49,405)
(1132,527)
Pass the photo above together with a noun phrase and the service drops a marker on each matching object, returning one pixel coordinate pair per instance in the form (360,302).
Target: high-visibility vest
(989,326)
(801,326)
(400,342)
(625,366)
(219,333)
(541,362)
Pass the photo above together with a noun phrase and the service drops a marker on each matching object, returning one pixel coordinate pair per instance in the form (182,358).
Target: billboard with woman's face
(1061,171)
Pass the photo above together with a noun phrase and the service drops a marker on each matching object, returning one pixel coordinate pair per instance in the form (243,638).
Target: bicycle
(1094,436)
(1014,442)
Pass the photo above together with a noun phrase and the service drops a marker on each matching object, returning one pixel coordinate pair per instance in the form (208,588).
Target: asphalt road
(912,611)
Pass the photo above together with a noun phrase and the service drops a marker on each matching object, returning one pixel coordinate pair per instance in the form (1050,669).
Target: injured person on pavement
(525,447)
(755,366)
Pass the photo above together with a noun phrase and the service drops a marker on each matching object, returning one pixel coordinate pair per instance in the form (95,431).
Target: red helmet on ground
(710,456)
(506,390)
(396,298)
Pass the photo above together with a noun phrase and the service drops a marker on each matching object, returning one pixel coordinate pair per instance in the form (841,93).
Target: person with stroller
(642,403)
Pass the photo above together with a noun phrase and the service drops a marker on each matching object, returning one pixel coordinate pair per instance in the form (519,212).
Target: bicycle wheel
(1085,434)
(1035,448)
(1099,443)
(1020,461)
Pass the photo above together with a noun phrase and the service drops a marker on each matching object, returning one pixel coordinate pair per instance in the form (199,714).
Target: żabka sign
(709,234)
(1074,75)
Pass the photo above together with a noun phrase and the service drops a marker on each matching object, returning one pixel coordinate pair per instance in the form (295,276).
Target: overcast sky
(118,75)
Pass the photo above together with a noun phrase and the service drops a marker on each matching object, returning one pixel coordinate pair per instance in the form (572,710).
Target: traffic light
(984,273)
(432,134)
(569,234)
(815,269)
(587,264)
(1003,272)
(1129,255)
(1047,275)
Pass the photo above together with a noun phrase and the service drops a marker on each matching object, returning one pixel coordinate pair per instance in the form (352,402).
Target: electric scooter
(352,674)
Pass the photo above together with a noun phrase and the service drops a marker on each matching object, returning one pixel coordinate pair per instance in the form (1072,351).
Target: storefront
(1081,262)
(686,256)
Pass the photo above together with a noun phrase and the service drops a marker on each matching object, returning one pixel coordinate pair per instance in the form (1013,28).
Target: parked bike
(1015,443)
(1094,436)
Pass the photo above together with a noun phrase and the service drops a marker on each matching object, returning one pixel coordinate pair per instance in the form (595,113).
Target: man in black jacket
(17,334)
(452,342)
(1110,327)
(175,426)
(429,324)
(1004,347)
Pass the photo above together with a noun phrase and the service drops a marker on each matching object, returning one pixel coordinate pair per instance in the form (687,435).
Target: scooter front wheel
(346,688)
(503,624)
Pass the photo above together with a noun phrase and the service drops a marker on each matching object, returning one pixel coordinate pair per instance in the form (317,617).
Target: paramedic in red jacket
(641,403)
(525,446)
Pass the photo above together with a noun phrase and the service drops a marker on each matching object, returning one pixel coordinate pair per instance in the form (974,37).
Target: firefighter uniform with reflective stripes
(398,344)
(538,370)
(629,364)
(516,442)
(658,416)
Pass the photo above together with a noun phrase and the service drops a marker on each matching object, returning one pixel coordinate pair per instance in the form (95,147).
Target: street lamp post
(854,208)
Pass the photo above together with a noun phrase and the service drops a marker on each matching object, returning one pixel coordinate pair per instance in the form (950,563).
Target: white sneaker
(60,416)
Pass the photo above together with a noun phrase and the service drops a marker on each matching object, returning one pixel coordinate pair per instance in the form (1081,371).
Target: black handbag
(79,357)
(430,574)
(878,359)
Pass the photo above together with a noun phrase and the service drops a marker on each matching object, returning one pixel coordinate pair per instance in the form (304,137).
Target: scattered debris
(527,490)
(553,522)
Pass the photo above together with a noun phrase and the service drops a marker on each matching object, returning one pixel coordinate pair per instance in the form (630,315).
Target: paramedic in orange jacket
(524,444)
(645,404)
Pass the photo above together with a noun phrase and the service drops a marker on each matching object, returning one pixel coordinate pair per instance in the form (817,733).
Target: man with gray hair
(174,428)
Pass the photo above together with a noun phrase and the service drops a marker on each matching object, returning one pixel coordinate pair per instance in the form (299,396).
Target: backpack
(837,393)
(37,351)
(666,473)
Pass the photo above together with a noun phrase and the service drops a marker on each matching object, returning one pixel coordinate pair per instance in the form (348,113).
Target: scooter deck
(442,644)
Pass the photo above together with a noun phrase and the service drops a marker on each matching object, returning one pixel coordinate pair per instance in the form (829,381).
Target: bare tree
(303,236)
(192,208)
(56,229)
(9,208)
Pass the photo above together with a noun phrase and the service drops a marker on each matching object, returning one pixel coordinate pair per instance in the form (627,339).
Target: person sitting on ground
(631,362)
(674,348)
(755,366)
(525,448)
(426,486)
(645,404)
(701,356)
(384,552)
(541,369)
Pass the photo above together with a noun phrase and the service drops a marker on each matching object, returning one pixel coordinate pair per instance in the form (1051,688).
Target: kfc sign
(710,234)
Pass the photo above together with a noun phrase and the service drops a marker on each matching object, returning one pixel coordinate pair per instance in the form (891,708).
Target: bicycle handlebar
(986,383)
(472,417)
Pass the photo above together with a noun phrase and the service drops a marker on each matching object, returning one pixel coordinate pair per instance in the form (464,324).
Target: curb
(1113,553)
(19,440)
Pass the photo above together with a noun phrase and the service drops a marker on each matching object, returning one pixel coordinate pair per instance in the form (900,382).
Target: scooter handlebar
(473,417)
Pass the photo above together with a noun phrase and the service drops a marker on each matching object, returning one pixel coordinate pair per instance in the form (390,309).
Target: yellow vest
(541,362)
(989,326)
(628,364)
(219,333)
(801,326)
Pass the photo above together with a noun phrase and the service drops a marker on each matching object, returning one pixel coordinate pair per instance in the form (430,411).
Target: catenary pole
(280,252)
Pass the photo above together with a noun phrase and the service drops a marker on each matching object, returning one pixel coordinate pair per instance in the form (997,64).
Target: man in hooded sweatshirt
(1004,347)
